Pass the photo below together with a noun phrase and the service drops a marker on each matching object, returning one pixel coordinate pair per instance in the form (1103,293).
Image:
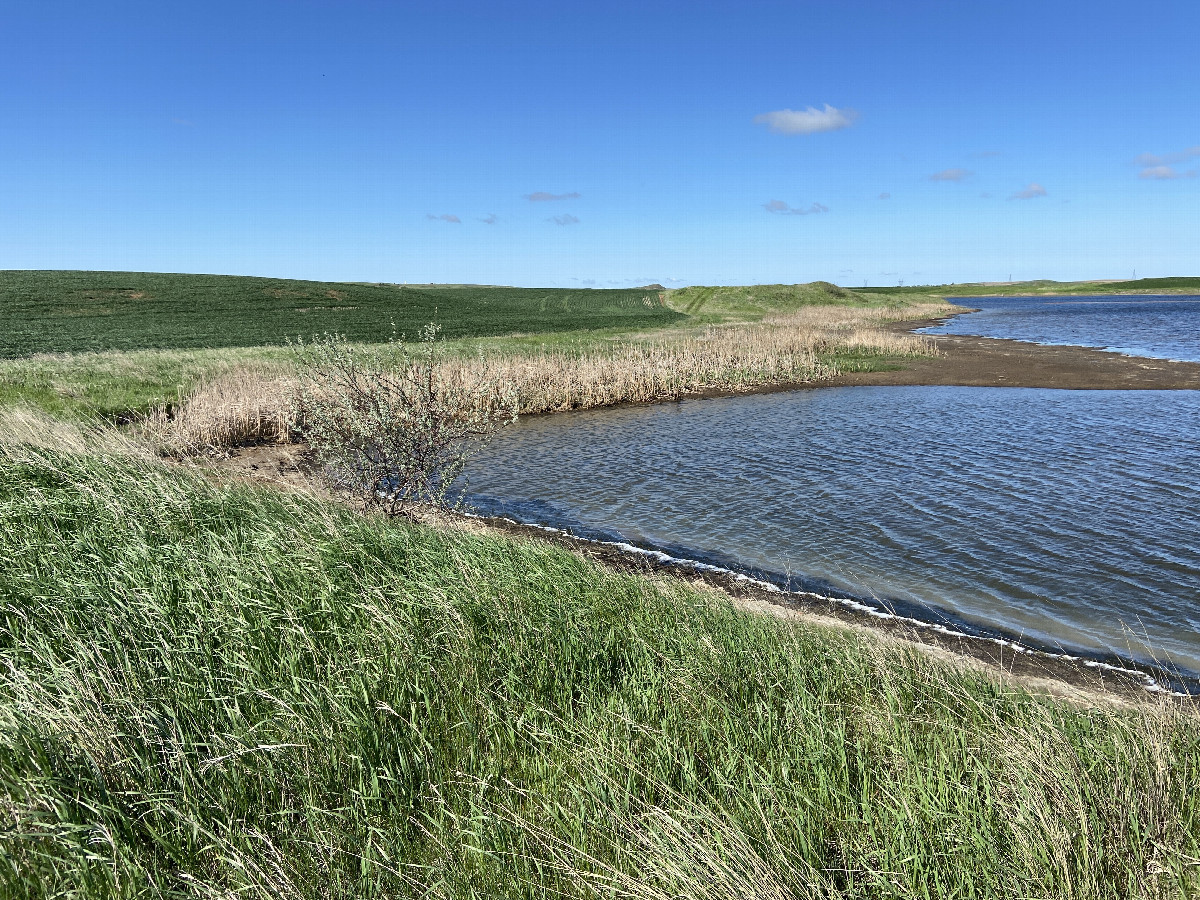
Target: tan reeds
(246,405)
(243,406)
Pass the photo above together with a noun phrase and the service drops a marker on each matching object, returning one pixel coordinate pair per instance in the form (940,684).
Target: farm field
(74,312)
(82,343)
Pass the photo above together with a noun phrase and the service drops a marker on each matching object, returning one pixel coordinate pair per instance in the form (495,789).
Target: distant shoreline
(972,361)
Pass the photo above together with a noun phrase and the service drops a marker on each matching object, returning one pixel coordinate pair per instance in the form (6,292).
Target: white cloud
(885,196)
(781,208)
(543,196)
(807,121)
(1031,190)
(1149,160)
(444,217)
(950,175)
(566,219)
(490,219)
(1165,173)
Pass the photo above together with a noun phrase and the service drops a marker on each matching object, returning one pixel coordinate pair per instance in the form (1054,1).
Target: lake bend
(1064,520)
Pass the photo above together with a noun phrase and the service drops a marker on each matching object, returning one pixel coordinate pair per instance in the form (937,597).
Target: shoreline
(1060,674)
(972,361)
(967,361)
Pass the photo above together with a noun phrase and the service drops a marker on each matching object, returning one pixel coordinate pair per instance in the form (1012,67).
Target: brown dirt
(992,362)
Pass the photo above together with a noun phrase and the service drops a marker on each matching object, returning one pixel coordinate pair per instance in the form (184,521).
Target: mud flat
(995,362)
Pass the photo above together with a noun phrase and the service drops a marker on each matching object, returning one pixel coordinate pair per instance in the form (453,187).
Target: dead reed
(256,405)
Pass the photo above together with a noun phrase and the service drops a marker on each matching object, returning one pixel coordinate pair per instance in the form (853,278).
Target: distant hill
(69,311)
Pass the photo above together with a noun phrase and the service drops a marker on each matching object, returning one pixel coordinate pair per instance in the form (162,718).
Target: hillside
(71,312)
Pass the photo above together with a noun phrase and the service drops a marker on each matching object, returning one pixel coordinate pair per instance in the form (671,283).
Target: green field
(208,690)
(749,303)
(115,345)
(73,312)
(1021,288)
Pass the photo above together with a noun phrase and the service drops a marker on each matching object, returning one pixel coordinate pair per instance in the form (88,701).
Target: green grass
(749,303)
(73,312)
(1142,285)
(208,690)
(114,385)
(81,345)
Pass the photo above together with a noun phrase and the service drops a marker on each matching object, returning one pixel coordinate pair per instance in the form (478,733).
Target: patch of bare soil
(993,362)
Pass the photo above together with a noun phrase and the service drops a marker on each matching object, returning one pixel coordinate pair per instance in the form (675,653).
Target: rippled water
(1164,327)
(1066,518)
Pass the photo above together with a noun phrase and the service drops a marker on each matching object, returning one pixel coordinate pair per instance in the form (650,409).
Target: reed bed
(215,691)
(256,405)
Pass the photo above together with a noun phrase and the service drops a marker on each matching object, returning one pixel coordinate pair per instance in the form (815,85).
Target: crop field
(72,312)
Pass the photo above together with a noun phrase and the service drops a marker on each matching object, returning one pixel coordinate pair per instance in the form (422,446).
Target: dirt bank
(992,362)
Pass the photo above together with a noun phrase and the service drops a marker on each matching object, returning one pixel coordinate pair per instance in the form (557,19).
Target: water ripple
(1067,517)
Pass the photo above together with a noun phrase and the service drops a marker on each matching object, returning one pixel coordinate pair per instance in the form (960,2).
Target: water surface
(1066,518)
(1163,327)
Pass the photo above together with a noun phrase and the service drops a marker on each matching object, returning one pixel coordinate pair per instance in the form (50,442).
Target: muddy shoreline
(1059,675)
(964,361)
(969,361)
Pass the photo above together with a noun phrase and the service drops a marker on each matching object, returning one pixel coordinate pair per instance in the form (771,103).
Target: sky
(609,144)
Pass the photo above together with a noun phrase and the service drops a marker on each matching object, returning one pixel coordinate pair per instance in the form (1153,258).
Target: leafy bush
(391,428)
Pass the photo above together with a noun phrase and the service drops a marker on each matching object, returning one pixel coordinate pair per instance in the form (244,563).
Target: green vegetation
(111,345)
(208,690)
(751,302)
(214,690)
(1021,288)
(73,312)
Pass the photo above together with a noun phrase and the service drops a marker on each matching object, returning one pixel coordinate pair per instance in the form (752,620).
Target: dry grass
(255,404)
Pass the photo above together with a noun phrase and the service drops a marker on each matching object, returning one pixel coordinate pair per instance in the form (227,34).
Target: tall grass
(208,690)
(254,404)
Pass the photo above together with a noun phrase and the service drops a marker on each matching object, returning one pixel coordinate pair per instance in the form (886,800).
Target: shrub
(393,428)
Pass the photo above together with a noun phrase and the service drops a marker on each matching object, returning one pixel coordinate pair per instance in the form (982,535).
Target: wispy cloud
(444,217)
(566,219)
(951,175)
(885,196)
(1168,159)
(807,121)
(780,208)
(985,154)
(1165,173)
(490,219)
(1031,190)
(543,196)
(1161,166)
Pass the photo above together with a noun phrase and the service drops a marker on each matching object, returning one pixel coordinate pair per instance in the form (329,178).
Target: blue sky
(609,144)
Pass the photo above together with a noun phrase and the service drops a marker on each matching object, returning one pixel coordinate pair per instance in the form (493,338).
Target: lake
(1163,327)
(1065,519)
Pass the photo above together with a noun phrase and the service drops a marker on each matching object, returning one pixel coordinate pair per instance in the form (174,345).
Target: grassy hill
(70,312)
(752,302)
